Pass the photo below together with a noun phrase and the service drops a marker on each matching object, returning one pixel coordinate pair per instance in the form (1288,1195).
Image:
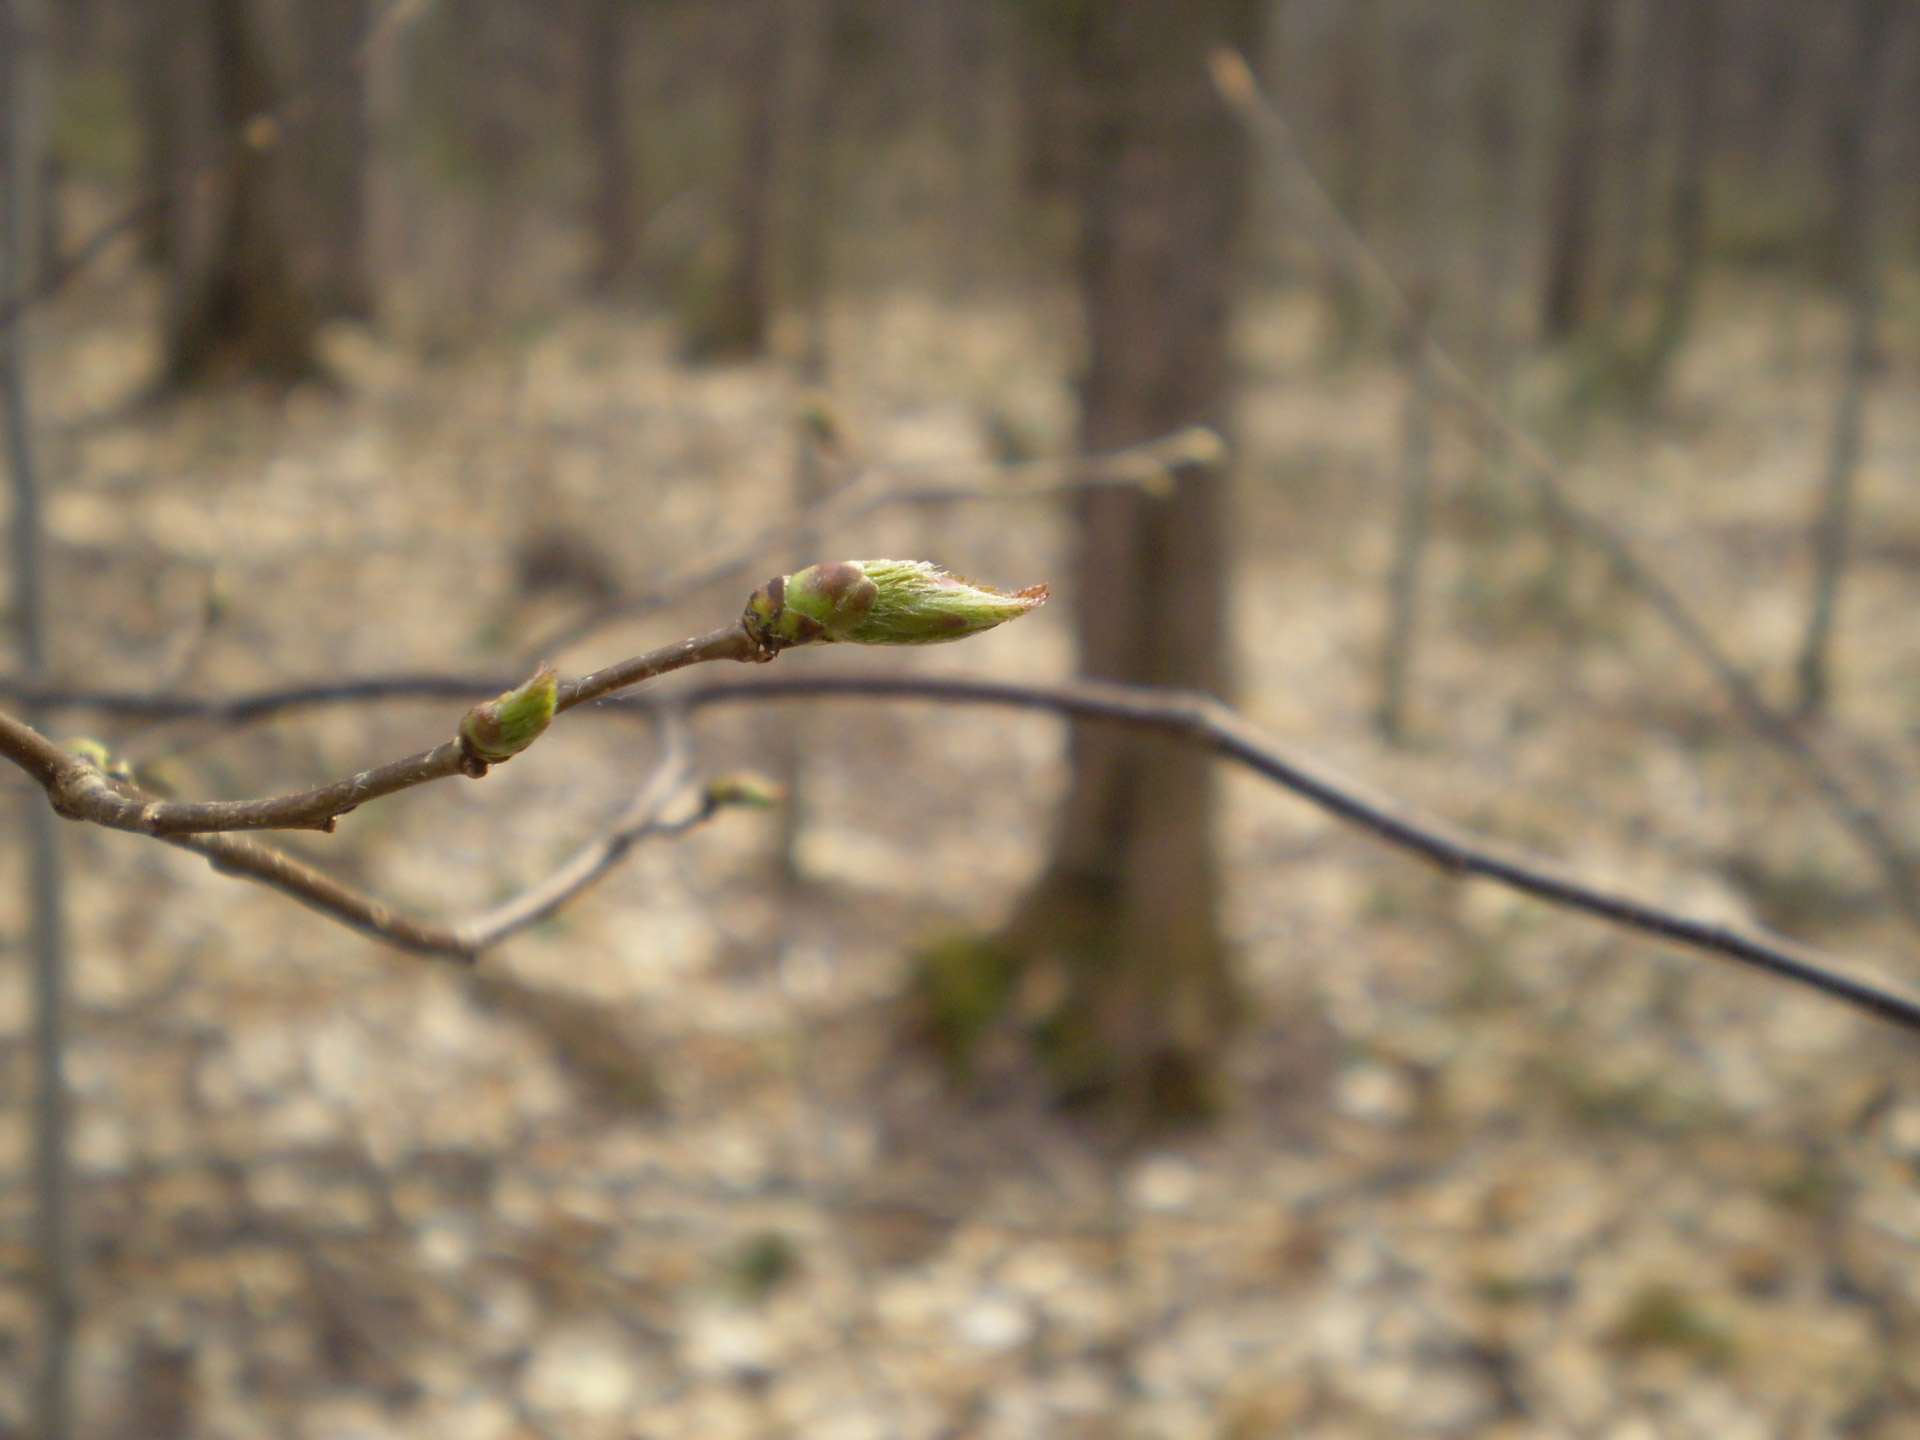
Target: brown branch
(81,790)
(1206,722)
(640,818)
(1898,869)
(251,859)
(1197,718)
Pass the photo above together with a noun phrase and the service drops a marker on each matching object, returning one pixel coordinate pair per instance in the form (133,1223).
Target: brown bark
(236,304)
(1852,246)
(729,300)
(1121,932)
(614,205)
(333,150)
(1576,181)
(1689,206)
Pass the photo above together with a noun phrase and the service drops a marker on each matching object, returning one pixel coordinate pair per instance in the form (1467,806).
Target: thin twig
(1148,465)
(1206,722)
(252,859)
(81,790)
(1897,868)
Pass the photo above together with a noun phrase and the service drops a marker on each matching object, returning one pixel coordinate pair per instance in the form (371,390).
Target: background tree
(329,152)
(1120,939)
(614,204)
(728,293)
(1572,207)
(237,302)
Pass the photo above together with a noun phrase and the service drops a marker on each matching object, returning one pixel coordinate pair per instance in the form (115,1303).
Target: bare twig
(1897,868)
(1212,725)
(1409,542)
(1146,466)
(640,818)
(254,860)
(81,790)
(1206,722)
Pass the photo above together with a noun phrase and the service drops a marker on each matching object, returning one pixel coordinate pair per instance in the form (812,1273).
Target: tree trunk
(236,305)
(1852,246)
(729,300)
(1119,941)
(1576,181)
(614,206)
(1689,210)
(333,149)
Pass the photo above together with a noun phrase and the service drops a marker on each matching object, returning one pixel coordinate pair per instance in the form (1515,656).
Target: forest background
(417,339)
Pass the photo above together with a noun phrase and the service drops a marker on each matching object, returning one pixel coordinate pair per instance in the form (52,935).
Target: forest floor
(674,1164)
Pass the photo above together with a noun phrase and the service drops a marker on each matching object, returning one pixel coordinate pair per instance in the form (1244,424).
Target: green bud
(499,729)
(745,789)
(98,756)
(90,750)
(877,602)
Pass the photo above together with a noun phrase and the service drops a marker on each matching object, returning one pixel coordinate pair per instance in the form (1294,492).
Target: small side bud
(98,756)
(744,789)
(89,750)
(877,602)
(498,729)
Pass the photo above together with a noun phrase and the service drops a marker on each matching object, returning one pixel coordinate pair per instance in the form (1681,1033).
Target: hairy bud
(501,728)
(877,602)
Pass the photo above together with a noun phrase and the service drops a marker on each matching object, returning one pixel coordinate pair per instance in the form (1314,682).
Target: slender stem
(251,859)
(81,791)
(1206,722)
(1147,466)
(1409,545)
(1194,717)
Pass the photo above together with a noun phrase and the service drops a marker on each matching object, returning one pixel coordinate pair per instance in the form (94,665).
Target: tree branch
(1208,723)
(254,860)
(1898,869)
(1146,466)
(81,790)
(1192,716)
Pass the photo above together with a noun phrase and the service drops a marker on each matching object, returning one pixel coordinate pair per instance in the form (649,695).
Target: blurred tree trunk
(1851,245)
(1354,138)
(333,150)
(728,302)
(615,205)
(1571,232)
(236,304)
(1689,204)
(1122,965)
(1635,159)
